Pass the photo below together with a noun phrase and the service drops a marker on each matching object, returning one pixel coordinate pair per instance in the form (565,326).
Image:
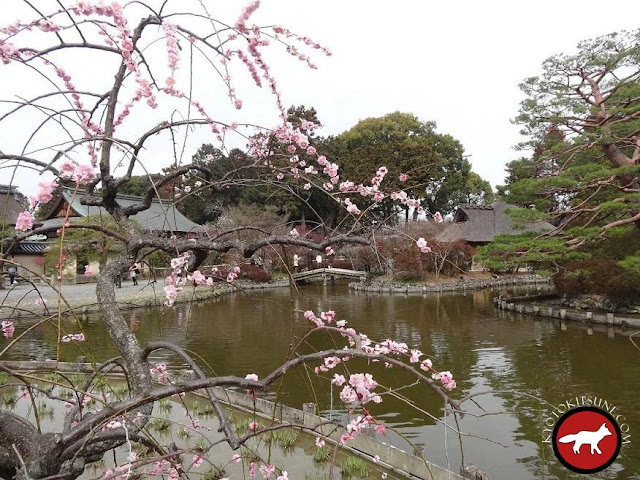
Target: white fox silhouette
(585,436)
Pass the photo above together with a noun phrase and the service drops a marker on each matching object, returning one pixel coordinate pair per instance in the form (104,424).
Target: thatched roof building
(11,204)
(480,224)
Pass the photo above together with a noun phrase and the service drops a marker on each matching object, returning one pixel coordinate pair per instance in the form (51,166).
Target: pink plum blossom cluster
(8,329)
(357,425)
(25,219)
(448,383)
(160,373)
(360,385)
(421,243)
(179,277)
(73,337)
(359,389)
(404,199)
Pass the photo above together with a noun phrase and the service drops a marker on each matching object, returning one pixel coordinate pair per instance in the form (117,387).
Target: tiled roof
(161,216)
(31,247)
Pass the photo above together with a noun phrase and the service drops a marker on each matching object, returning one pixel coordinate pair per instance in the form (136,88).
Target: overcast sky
(457,63)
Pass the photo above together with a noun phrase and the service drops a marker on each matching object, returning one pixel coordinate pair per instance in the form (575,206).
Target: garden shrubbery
(598,276)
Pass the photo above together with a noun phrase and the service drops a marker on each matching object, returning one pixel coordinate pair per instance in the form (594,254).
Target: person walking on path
(296,263)
(310,259)
(12,274)
(134,270)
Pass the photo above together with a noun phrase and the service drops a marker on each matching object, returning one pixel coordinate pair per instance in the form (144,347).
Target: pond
(528,364)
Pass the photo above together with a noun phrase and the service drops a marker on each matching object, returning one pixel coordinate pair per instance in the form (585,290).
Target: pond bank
(456,286)
(524,305)
(81,298)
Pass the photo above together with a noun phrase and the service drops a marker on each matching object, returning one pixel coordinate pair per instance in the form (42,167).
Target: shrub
(598,276)
(254,273)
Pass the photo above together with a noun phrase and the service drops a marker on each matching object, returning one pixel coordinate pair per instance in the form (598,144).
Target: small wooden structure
(325,273)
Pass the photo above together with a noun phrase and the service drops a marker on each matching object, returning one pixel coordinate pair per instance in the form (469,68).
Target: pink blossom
(415,356)
(437,217)
(75,337)
(329,251)
(198,277)
(253,426)
(8,329)
(267,470)
(45,191)
(24,221)
(291,149)
(88,271)
(338,380)
(307,186)
(331,362)
(311,150)
(403,177)
(40,302)
(422,245)
(322,160)
(376,458)
(448,383)
(236,458)
(328,316)
(8,52)
(80,173)
(294,233)
(171,293)
(284,476)
(426,365)
(348,395)
(320,442)
(252,376)
(197,461)
(353,209)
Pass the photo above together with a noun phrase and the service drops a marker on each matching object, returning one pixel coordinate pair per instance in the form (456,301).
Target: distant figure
(319,260)
(310,259)
(134,270)
(118,280)
(12,274)
(296,263)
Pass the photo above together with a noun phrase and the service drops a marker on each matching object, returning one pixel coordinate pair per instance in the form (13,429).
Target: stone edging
(457,286)
(522,305)
(193,296)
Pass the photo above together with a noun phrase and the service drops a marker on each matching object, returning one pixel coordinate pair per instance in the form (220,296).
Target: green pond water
(526,364)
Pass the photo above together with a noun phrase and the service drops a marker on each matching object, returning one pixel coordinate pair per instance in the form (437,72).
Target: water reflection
(511,354)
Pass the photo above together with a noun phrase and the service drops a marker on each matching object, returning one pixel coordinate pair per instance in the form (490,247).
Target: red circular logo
(586,439)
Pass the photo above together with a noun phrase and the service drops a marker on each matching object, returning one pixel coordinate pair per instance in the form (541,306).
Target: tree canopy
(581,117)
(438,173)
